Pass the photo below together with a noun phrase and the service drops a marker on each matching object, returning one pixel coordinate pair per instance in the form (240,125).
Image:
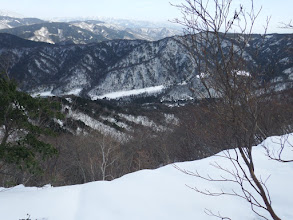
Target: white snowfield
(119,94)
(159,194)
(49,93)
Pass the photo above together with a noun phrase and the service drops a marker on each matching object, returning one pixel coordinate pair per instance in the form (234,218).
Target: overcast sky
(153,10)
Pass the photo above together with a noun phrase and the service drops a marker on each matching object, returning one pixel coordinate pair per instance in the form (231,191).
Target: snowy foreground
(154,194)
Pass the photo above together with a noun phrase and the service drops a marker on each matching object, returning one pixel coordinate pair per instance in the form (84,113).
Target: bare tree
(279,154)
(96,156)
(217,36)
(288,25)
(108,156)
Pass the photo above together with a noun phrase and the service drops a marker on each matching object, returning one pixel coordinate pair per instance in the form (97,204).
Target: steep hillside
(95,70)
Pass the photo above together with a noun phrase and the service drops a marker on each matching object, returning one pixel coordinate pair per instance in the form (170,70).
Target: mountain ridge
(80,31)
(99,68)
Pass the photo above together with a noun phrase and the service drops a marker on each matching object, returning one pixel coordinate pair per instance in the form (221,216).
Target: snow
(288,71)
(74,92)
(118,123)
(277,79)
(182,83)
(276,43)
(69,100)
(202,75)
(43,94)
(285,61)
(3,25)
(119,94)
(85,26)
(10,14)
(58,121)
(143,120)
(155,194)
(42,35)
(97,125)
(49,93)
(61,34)
(171,119)
(242,73)
(269,36)
(237,72)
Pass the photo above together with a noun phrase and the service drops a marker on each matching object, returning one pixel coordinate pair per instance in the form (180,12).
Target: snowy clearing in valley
(43,94)
(156,194)
(119,94)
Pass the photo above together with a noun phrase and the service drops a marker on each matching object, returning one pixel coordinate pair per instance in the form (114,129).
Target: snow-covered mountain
(151,33)
(124,23)
(95,70)
(145,29)
(10,14)
(55,33)
(85,31)
(12,22)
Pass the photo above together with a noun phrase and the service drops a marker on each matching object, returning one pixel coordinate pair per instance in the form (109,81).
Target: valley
(110,103)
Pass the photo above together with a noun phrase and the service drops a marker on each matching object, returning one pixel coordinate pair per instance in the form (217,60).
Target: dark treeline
(91,156)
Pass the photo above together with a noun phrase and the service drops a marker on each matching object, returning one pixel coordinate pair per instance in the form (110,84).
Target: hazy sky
(134,9)
(154,10)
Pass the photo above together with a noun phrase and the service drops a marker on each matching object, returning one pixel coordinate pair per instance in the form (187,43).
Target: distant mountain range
(12,22)
(10,14)
(97,69)
(56,33)
(81,32)
(124,23)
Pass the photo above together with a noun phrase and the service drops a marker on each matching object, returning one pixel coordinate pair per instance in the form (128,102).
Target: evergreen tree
(23,120)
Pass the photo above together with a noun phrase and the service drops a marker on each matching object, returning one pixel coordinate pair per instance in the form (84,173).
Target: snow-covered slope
(154,33)
(79,32)
(145,30)
(155,194)
(99,69)
(83,117)
(7,21)
(123,31)
(119,94)
(10,14)
(57,32)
